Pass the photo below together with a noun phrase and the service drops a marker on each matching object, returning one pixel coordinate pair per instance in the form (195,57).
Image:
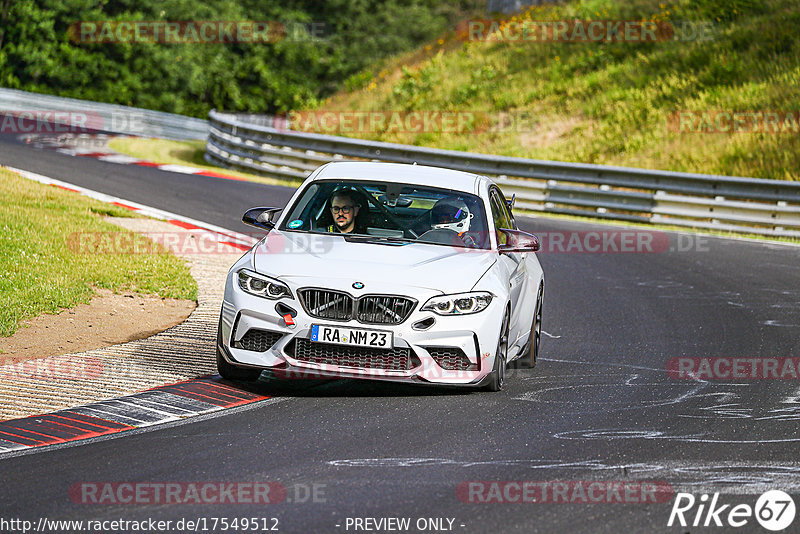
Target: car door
(530,286)
(513,265)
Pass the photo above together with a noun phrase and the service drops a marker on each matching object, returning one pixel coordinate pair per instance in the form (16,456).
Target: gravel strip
(180,353)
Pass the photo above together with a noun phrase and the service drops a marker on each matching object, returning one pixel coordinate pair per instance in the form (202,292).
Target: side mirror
(518,241)
(260,217)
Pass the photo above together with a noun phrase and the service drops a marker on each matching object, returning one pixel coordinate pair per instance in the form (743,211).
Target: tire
(536,329)
(231,371)
(498,375)
(530,353)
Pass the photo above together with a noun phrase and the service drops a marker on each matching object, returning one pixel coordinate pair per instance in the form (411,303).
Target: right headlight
(262,286)
(459,304)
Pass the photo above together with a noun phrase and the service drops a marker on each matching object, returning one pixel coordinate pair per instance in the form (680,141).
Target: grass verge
(39,273)
(612,103)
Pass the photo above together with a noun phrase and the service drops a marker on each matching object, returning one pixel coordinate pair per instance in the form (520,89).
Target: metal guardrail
(263,144)
(727,203)
(110,118)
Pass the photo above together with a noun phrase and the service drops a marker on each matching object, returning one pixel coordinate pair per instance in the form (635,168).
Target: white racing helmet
(451,214)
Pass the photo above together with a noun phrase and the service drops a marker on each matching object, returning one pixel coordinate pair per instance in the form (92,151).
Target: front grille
(369,309)
(395,359)
(257,340)
(451,358)
(376,309)
(326,304)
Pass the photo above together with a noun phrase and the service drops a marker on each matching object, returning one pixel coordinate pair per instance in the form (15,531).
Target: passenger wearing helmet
(453,214)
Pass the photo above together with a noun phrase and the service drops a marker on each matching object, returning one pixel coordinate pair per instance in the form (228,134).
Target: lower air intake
(451,358)
(257,340)
(396,359)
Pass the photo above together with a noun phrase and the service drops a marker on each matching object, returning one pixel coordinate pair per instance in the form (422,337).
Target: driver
(453,214)
(344,206)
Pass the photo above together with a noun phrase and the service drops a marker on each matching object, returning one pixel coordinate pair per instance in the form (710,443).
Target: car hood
(298,257)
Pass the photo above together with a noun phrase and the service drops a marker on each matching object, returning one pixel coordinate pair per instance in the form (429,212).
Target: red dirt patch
(108,320)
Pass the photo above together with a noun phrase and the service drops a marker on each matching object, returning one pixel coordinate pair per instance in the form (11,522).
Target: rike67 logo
(774,510)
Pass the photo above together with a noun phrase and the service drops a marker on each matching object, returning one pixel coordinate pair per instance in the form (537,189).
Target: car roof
(401,173)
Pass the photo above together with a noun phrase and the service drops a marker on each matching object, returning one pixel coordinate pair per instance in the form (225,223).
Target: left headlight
(459,304)
(262,286)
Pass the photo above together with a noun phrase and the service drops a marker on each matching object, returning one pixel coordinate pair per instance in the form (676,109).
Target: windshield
(390,212)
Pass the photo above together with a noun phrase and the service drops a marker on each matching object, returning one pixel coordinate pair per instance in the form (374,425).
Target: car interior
(393,210)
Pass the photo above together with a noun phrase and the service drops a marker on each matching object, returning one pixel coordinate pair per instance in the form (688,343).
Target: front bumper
(469,342)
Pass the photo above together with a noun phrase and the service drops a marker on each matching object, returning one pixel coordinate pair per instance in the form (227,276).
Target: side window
(499,216)
(303,210)
(507,211)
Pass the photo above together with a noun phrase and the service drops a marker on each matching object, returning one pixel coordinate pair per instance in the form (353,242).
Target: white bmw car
(386,272)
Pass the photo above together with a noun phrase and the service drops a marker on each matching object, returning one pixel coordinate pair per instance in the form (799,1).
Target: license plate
(378,339)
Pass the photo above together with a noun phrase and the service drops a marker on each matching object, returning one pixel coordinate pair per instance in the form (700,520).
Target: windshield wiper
(382,240)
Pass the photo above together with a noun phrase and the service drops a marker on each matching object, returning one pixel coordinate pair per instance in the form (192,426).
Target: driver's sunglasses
(344,209)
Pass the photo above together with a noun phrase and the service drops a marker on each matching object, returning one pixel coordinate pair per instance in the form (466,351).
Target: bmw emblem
(358,285)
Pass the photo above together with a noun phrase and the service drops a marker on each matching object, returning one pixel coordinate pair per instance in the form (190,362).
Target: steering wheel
(386,212)
(444,236)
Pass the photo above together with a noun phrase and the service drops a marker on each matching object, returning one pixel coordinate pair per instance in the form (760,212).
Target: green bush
(36,52)
(610,102)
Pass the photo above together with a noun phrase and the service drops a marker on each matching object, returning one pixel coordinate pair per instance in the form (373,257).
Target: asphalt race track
(600,405)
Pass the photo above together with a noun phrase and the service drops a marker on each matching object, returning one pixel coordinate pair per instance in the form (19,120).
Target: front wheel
(530,353)
(498,376)
(235,372)
(536,331)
